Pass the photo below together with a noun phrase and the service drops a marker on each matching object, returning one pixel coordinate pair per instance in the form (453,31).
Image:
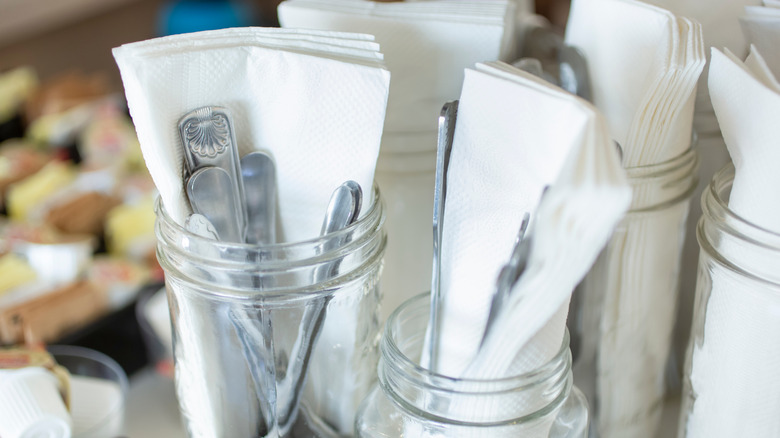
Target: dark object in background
(12,128)
(116,335)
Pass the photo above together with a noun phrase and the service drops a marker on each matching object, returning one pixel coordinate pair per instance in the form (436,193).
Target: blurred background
(55,37)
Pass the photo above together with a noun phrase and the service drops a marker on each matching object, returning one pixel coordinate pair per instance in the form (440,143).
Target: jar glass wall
(264,343)
(730,386)
(623,314)
(412,401)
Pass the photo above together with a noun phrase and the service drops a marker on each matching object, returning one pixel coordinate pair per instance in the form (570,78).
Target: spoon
(258,173)
(509,275)
(343,210)
(210,193)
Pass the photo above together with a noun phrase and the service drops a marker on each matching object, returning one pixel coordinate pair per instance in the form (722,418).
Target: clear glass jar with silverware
(270,339)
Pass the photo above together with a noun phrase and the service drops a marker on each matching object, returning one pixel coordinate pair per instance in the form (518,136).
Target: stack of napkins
(427,45)
(315,101)
(733,371)
(508,146)
(720,26)
(762,28)
(645,83)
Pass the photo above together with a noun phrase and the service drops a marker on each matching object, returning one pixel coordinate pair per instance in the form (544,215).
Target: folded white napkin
(427,44)
(645,82)
(720,27)
(271,80)
(739,339)
(508,146)
(761,26)
(315,101)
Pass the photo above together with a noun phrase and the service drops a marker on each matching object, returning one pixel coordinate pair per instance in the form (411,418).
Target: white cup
(31,405)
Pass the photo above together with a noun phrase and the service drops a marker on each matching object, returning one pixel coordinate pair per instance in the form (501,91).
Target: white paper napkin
(507,147)
(721,29)
(315,101)
(643,81)
(272,81)
(427,44)
(739,339)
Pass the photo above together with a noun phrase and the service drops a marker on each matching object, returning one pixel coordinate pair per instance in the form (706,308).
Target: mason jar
(731,385)
(278,340)
(624,311)
(409,400)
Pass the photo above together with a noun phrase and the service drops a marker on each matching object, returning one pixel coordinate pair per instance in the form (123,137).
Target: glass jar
(623,313)
(730,384)
(412,401)
(98,391)
(278,340)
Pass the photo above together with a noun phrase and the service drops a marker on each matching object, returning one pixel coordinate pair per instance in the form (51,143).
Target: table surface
(153,412)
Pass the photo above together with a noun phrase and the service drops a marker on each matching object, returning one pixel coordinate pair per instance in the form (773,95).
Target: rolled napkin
(645,84)
(315,102)
(739,338)
(761,26)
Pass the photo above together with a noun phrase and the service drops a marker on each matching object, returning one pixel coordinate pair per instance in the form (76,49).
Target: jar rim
(718,219)
(650,171)
(401,362)
(369,217)
(287,271)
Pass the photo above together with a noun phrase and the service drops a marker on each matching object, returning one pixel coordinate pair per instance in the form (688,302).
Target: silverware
(198,224)
(207,189)
(573,74)
(509,275)
(258,173)
(343,210)
(447,118)
(209,141)
(534,67)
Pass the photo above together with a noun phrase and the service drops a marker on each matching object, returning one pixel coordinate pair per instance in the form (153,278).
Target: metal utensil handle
(447,119)
(208,139)
(343,210)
